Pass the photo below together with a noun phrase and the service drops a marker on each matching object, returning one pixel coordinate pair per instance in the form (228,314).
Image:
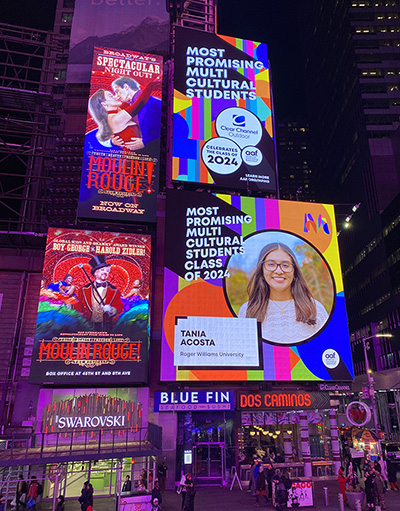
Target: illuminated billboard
(252,291)
(222,124)
(76,411)
(139,24)
(93,314)
(120,171)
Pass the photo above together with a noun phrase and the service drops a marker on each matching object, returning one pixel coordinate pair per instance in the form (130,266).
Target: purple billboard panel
(141,25)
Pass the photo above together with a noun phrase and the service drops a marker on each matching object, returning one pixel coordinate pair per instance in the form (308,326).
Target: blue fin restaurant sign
(194,400)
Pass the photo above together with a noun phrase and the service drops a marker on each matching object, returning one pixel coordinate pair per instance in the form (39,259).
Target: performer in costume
(147,108)
(124,123)
(99,301)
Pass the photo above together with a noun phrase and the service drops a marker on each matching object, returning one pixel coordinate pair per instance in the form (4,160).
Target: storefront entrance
(209,462)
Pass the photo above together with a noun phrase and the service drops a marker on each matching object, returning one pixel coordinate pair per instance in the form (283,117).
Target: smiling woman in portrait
(280,299)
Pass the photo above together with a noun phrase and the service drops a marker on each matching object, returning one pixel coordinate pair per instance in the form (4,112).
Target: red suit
(112,298)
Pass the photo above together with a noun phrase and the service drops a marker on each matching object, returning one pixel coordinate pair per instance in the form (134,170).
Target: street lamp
(371,389)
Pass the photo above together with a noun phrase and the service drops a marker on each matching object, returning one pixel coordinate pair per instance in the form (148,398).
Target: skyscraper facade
(352,72)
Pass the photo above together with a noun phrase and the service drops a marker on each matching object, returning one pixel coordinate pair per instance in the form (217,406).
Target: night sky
(270,21)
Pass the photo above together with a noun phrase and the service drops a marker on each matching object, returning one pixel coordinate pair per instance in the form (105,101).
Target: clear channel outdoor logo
(330,358)
(239,125)
(238,120)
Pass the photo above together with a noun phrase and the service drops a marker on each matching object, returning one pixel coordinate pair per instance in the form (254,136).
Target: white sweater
(281,326)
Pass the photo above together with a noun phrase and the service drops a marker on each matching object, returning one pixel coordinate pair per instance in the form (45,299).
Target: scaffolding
(196,14)
(28,125)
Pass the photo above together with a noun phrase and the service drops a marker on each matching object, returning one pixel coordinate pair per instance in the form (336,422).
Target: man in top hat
(99,301)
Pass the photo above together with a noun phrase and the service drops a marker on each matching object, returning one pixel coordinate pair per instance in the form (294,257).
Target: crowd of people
(27,495)
(376,475)
(263,477)
(188,491)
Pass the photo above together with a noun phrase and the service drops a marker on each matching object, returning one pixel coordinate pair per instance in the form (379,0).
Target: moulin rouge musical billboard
(120,171)
(93,314)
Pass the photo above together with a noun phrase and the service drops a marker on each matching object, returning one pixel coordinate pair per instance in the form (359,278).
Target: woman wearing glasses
(279,298)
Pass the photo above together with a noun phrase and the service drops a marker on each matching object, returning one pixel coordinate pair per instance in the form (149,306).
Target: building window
(60,75)
(66,17)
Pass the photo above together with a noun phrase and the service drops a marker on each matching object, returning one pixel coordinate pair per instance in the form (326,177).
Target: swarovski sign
(89,412)
(104,421)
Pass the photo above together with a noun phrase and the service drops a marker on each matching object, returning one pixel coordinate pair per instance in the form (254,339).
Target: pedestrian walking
(156,492)
(369,481)
(60,503)
(182,490)
(190,493)
(32,494)
(382,464)
(82,496)
(342,480)
(380,489)
(255,475)
(21,492)
(261,486)
(392,475)
(162,475)
(357,465)
(282,485)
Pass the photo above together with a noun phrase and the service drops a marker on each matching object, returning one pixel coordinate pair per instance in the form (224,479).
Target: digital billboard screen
(74,412)
(139,24)
(93,314)
(252,291)
(120,170)
(222,123)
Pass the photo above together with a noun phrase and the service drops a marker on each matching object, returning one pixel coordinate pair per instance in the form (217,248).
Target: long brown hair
(100,115)
(259,291)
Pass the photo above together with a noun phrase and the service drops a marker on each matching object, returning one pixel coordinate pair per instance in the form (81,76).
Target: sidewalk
(215,498)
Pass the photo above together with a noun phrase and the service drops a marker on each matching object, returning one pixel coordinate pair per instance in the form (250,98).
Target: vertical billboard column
(287,446)
(222,124)
(305,444)
(335,440)
(120,172)
(93,315)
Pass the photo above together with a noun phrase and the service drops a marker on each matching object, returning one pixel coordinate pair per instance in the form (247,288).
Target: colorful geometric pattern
(194,117)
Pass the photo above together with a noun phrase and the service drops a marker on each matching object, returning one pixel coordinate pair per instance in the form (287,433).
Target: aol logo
(330,358)
(320,224)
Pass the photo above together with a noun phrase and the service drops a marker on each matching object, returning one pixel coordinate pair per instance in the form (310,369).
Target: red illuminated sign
(289,400)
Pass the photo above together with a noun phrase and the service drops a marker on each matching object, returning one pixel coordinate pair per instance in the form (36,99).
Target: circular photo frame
(293,302)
